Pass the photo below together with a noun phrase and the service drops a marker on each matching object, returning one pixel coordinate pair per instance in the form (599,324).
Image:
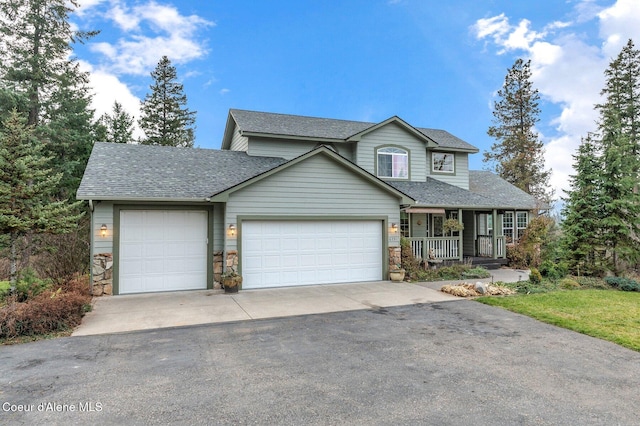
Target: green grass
(4,285)
(605,314)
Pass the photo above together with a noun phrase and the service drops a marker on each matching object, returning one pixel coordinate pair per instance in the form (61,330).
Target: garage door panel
(162,250)
(306,252)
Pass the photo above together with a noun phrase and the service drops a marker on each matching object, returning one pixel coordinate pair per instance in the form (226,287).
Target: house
(291,200)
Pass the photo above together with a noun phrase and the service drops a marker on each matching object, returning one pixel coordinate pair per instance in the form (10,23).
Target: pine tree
(619,143)
(583,211)
(518,154)
(26,187)
(165,119)
(118,126)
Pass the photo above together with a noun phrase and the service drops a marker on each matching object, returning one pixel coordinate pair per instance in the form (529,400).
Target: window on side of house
(404,224)
(393,163)
(507,226)
(443,162)
(521,223)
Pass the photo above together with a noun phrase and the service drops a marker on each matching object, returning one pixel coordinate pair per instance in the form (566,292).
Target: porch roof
(487,191)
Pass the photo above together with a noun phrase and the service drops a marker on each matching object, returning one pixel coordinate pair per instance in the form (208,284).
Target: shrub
(592,282)
(27,286)
(535,277)
(554,271)
(569,284)
(477,272)
(48,312)
(624,284)
(409,263)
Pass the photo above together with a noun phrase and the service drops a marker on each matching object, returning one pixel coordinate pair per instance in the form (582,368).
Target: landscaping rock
(480,288)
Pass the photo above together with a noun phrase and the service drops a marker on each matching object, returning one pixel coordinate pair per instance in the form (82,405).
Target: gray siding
(218,227)
(461,176)
(393,135)
(316,187)
(278,148)
(102,214)
(238,142)
(419,230)
(292,149)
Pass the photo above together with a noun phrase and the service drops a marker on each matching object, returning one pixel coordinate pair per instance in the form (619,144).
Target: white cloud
(107,89)
(567,68)
(618,24)
(149,31)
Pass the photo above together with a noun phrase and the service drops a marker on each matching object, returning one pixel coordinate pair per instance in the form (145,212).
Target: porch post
(494,236)
(460,238)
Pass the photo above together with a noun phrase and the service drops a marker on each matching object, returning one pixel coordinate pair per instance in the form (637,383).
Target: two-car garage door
(290,253)
(165,250)
(162,250)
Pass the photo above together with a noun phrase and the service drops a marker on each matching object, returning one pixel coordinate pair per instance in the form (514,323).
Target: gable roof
(486,191)
(321,150)
(159,173)
(253,123)
(145,173)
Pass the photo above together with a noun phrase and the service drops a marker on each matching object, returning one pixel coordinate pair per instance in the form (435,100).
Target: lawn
(605,314)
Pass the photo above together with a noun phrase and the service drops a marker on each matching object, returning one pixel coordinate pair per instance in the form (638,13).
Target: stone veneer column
(102,271)
(232,261)
(218,266)
(395,256)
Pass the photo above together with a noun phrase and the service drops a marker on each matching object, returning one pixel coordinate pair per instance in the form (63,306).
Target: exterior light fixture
(394,228)
(232,230)
(103,230)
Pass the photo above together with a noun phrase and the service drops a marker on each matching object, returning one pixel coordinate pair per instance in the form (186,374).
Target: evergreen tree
(26,187)
(518,154)
(165,119)
(583,211)
(618,140)
(117,127)
(37,66)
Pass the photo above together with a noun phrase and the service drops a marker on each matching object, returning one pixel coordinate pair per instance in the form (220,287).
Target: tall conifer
(165,118)
(518,154)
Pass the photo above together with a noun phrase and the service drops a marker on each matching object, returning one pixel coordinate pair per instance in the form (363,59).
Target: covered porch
(454,234)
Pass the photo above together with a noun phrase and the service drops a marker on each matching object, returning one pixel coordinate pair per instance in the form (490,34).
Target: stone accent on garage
(102,273)
(218,268)
(232,261)
(395,256)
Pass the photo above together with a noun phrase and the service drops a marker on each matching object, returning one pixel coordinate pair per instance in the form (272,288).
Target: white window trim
(393,151)
(433,162)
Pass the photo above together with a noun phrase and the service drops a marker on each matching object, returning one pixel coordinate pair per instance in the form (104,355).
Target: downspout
(91,244)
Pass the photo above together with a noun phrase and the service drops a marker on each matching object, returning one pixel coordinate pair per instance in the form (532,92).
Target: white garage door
(162,250)
(292,253)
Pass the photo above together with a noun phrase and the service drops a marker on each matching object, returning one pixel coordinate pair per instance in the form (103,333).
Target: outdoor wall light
(232,230)
(394,228)
(103,230)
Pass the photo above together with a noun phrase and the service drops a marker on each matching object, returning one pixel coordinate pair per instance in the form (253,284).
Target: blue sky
(433,63)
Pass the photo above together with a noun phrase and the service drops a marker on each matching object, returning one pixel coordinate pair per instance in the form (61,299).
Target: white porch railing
(485,246)
(446,248)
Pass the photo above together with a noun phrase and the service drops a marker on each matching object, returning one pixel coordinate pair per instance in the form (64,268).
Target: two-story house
(291,200)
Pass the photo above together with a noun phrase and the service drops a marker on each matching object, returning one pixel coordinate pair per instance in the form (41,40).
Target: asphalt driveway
(445,363)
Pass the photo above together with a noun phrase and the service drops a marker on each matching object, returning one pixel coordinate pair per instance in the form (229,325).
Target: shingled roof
(140,172)
(486,191)
(297,126)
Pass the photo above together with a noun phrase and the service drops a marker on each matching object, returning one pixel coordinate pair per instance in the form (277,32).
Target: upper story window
(393,163)
(443,162)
